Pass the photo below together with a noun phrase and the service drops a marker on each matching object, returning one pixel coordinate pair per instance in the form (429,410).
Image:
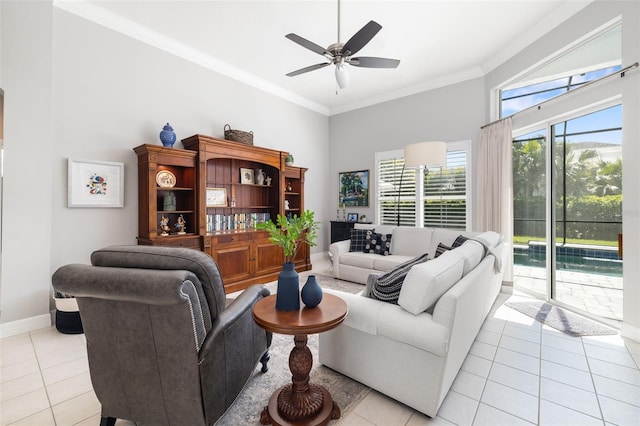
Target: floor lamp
(427,154)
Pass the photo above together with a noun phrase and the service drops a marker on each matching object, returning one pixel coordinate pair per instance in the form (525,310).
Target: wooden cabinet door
(234,260)
(268,257)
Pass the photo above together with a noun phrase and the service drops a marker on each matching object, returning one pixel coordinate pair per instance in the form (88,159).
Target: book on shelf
(235,222)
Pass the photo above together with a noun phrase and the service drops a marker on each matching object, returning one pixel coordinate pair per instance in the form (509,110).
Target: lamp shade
(428,154)
(342,75)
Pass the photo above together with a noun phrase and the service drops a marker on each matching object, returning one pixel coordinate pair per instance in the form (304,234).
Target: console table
(300,402)
(341,230)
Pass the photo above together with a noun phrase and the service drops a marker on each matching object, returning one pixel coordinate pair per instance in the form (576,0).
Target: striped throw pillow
(388,285)
(441,249)
(459,241)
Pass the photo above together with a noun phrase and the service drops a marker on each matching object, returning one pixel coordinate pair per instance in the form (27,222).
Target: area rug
(255,396)
(560,319)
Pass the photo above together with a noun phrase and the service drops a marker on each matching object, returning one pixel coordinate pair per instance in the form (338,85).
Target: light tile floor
(517,372)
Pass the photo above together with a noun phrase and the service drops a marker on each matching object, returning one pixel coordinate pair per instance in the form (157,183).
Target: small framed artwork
(95,183)
(216,197)
(352,217)
(246,176)
(353,190)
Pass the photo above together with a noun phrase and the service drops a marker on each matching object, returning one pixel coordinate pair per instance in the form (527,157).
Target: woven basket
(238,135)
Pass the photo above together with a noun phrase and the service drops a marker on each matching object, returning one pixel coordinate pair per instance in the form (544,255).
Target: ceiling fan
(340,54)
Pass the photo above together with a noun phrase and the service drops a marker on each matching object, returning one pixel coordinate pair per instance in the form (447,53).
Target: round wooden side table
(300,402)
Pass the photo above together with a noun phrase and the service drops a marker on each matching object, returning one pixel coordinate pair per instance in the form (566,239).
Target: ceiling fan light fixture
(342,76)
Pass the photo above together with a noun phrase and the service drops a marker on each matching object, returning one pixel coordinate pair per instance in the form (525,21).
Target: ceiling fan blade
(361,38)
(370,62)
(308,44)
(307,69)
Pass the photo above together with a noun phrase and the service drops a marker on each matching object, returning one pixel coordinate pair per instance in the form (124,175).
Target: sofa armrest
(339,247)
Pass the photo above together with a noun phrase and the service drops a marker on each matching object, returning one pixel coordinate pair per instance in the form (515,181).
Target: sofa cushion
(426,282)
(446,237)
(473,252)
(386,263)
(490,238)
(420,331)
(358,237)
(411,241)
(386,287)
(441,249)
(359,259)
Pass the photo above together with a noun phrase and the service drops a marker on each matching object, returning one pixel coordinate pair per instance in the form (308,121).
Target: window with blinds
(417,197)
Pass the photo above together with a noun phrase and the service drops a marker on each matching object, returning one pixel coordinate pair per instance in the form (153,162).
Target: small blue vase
(311,292)
(288,294)
(167,136)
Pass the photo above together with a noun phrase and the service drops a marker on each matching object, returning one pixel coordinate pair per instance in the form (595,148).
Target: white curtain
(495,184)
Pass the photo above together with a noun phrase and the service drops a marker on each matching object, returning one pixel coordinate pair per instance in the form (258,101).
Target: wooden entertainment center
(214,186)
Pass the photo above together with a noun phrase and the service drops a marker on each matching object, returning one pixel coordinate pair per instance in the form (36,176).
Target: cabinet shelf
(175,211)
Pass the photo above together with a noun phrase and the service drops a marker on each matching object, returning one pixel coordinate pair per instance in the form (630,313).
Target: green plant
(292,233)
(288,159)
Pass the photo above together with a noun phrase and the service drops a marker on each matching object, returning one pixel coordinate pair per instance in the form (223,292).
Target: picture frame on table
(352,217)
(353,188)
(94,183)
(216,197)
(247,176)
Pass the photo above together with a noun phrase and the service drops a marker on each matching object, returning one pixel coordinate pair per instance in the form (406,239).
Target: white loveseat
(410,351)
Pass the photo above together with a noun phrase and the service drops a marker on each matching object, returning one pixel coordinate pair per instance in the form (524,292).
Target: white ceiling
(437,42)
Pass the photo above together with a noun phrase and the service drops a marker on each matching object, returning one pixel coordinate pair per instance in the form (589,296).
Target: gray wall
(451,113)
(74,89)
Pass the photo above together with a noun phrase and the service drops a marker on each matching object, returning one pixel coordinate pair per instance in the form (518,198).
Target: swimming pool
(575,259)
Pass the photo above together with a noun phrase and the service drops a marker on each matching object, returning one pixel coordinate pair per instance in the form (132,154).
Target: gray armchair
(163,349)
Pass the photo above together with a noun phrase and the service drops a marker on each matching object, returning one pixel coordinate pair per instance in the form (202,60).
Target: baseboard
(320,257)
(630,332)
(25,325)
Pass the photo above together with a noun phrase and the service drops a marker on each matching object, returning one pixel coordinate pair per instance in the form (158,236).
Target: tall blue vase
(167,136)
(311,292)
(288,294)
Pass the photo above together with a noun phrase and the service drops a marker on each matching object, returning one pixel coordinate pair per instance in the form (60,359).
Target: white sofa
(406,243)
(409,352)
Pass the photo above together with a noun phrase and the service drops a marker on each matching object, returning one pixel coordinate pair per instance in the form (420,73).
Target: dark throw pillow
(459,241)
(357,239)
(377,244)
(441,249)
(384,247)
(388,285)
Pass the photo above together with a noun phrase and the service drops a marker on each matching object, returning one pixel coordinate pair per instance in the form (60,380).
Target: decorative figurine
(289,188)
(268,181)
(181,225)
(164,226)
(286,204)
(233,201)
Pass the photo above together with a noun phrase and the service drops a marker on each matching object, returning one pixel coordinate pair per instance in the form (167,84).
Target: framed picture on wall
(353,189)
(95,183)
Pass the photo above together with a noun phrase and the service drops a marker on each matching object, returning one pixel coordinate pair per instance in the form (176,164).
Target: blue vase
(288,294)
(311,292)
(167,136)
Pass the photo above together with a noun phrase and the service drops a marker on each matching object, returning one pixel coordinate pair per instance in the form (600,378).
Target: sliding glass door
(568,212)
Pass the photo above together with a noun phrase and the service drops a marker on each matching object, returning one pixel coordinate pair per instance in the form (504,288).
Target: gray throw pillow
(387,286)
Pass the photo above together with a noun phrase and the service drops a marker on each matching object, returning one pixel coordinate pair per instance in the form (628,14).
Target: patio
(596,294)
